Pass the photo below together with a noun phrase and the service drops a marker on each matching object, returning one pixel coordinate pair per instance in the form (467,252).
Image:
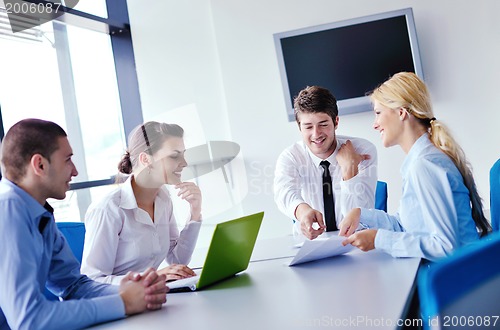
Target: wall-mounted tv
(349,57)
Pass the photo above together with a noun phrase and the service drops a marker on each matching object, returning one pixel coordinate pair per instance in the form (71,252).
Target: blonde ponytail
(441,138)
(406,90)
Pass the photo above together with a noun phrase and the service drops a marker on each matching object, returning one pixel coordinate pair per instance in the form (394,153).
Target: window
(94,7)
(68,73)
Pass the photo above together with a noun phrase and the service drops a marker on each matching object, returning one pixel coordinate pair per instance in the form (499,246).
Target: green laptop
(229,253)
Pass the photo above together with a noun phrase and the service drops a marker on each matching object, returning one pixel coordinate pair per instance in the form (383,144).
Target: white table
(265,249)
(358,290)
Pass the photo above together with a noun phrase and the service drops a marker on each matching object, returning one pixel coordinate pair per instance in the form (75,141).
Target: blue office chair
(463,287)
(495,196)
(74,233)
(381,196)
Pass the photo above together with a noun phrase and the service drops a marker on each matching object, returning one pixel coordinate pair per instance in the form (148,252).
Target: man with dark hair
(37,165)
(319,179)
(19,146)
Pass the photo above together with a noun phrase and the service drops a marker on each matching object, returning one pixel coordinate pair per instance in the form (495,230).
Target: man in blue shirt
(36,163)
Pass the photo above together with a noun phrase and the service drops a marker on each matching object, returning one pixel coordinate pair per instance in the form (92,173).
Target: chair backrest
(495,196)
(462,287)
(74,233)
(381,196)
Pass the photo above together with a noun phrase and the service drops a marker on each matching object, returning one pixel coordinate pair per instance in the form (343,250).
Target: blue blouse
(435,215)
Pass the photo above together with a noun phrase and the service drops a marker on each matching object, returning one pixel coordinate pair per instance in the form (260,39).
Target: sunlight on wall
(223,187)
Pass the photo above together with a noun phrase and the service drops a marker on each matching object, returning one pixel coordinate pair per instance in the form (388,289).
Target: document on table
(320,248)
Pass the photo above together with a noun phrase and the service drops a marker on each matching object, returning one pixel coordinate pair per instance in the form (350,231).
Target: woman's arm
(431,224)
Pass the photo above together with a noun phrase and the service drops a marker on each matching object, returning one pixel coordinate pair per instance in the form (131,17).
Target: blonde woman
(440,209)
(134,228)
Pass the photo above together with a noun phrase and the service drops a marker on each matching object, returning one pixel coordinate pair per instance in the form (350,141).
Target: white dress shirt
(299,179)
(434,215)
(121,237)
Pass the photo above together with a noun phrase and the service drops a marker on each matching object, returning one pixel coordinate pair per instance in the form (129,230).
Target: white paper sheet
(319,248)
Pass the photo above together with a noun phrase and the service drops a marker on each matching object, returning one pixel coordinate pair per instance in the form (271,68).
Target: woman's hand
(350,222)
(363,240)
(348,160)
(191,193)
(176,272)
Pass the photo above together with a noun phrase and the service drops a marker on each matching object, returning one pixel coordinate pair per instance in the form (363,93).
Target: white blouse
(121,237)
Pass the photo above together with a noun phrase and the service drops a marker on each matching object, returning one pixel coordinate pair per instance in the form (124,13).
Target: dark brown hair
(25,139)
(149,138)
(314,99)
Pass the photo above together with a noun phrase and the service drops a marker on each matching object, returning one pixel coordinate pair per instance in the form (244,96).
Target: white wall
(220,55)
(180,82)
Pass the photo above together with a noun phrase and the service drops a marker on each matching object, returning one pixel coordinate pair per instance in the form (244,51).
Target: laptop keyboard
(185,282)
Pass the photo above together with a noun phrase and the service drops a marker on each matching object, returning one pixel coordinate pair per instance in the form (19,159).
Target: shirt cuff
(383,240)
(293,206)
(192,225)
(349,186)
(109,308)
(195,220)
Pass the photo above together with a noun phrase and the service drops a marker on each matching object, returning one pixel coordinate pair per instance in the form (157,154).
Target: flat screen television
(349,57)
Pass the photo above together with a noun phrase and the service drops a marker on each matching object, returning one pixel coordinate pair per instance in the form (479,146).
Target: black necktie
(331,225)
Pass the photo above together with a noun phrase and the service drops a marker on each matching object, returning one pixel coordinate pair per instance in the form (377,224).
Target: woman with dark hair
(134,227)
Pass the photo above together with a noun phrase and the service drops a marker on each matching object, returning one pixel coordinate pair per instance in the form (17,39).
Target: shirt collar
(415,152)
(44,220)
(331,159)
(35,210)
(127,200)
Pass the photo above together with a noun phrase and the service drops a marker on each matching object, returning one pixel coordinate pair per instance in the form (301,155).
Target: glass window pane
(93,7)
(99,110)
(30,85)
(98,106)
(87,107)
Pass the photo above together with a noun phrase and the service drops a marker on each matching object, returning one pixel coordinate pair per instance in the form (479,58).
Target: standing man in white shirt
(324,174)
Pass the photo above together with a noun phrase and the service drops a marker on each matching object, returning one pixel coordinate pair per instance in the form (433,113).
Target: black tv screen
(350,58)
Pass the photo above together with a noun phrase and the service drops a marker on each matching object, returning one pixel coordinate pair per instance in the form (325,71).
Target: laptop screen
(230,249)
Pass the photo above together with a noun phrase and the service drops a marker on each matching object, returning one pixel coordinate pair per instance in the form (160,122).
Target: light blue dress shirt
(434,216)
(29,259)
